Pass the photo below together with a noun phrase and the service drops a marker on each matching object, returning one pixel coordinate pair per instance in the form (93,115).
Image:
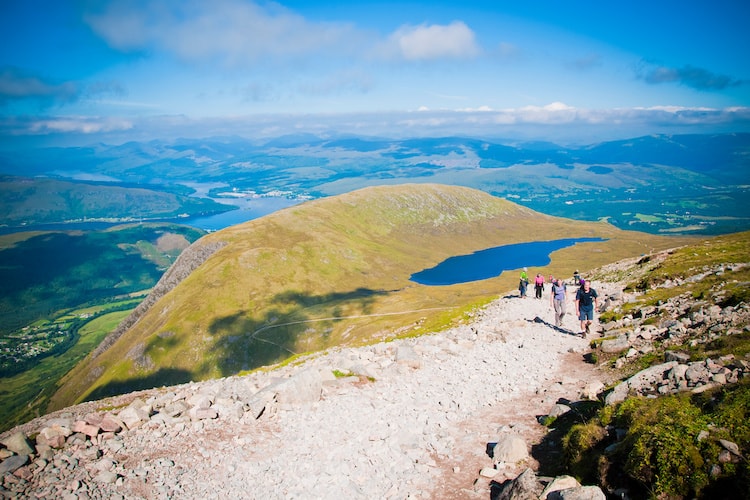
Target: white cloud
(556,112)
(479,109)
(78,125)
(431,42)
(556,122)
(232,32)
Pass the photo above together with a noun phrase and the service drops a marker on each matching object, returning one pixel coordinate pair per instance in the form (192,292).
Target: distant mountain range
(686,183)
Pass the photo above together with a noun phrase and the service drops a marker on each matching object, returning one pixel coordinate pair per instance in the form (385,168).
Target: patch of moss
(669,446)
(591,358)
(608,316)
(736,292)
(737,345)
(661,448)
(579,445)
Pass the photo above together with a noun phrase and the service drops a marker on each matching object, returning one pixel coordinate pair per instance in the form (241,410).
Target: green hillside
(25,201)
(329,272)
(43,273)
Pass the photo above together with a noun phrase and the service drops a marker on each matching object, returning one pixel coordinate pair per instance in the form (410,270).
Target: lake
(247,209)
(491,262)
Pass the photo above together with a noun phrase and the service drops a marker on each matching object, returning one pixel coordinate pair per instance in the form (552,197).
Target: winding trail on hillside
(265,328)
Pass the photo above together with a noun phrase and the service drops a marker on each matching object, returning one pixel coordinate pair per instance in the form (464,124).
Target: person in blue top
(557,300)
(586,302)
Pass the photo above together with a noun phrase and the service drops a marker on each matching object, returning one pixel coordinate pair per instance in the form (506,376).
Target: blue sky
(84,71)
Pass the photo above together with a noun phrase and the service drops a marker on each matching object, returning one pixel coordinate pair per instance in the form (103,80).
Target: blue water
(247,210)
(491,262)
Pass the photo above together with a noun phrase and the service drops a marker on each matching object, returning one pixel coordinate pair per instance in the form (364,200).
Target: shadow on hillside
(294,321)
(549,451)
(160,378)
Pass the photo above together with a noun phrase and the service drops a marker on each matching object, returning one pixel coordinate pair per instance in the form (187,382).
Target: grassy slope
(25,396)
(45,272)
(328,272)
(42,201)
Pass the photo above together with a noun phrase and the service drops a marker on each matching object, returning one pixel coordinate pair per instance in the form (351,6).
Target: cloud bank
(556,122)
(17,84)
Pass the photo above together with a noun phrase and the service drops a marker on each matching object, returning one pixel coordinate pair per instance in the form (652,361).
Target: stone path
(413,421)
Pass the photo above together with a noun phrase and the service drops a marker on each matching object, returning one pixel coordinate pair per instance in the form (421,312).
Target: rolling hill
(332,271)
(29,201)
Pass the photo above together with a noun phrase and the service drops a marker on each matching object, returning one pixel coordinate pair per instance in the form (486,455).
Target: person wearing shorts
(586,302)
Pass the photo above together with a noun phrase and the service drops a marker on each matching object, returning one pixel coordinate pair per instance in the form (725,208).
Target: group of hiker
(586,298)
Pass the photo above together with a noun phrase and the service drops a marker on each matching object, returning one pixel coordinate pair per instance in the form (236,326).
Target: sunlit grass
(26,395)
(335,271)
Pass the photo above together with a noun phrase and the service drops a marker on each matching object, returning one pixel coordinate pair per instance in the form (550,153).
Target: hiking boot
(588,328)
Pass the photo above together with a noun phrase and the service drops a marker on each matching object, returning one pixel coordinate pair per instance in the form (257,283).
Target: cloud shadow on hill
(244,341)
(159,378)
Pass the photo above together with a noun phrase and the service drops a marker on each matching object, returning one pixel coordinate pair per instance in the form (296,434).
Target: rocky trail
(411,418)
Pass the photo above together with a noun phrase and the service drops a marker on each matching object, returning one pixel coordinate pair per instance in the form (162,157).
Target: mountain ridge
(332,271)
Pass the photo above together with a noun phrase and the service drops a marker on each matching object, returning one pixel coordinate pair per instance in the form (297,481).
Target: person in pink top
(539,285)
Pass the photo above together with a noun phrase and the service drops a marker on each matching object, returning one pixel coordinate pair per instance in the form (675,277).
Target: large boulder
(18,443)
(579,493)
(617,344)
(524,487)
(304,387)
(509,449)
(643,380)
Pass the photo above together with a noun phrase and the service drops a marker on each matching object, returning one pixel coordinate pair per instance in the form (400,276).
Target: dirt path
(415,423)
(571,374)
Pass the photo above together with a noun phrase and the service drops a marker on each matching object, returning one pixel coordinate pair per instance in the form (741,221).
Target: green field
(62,292)
(46,272)
(25,396)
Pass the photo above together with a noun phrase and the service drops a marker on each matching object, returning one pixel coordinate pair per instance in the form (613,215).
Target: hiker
(576,278)
(539,285)
(523,283)
(557,300)
(586,301)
